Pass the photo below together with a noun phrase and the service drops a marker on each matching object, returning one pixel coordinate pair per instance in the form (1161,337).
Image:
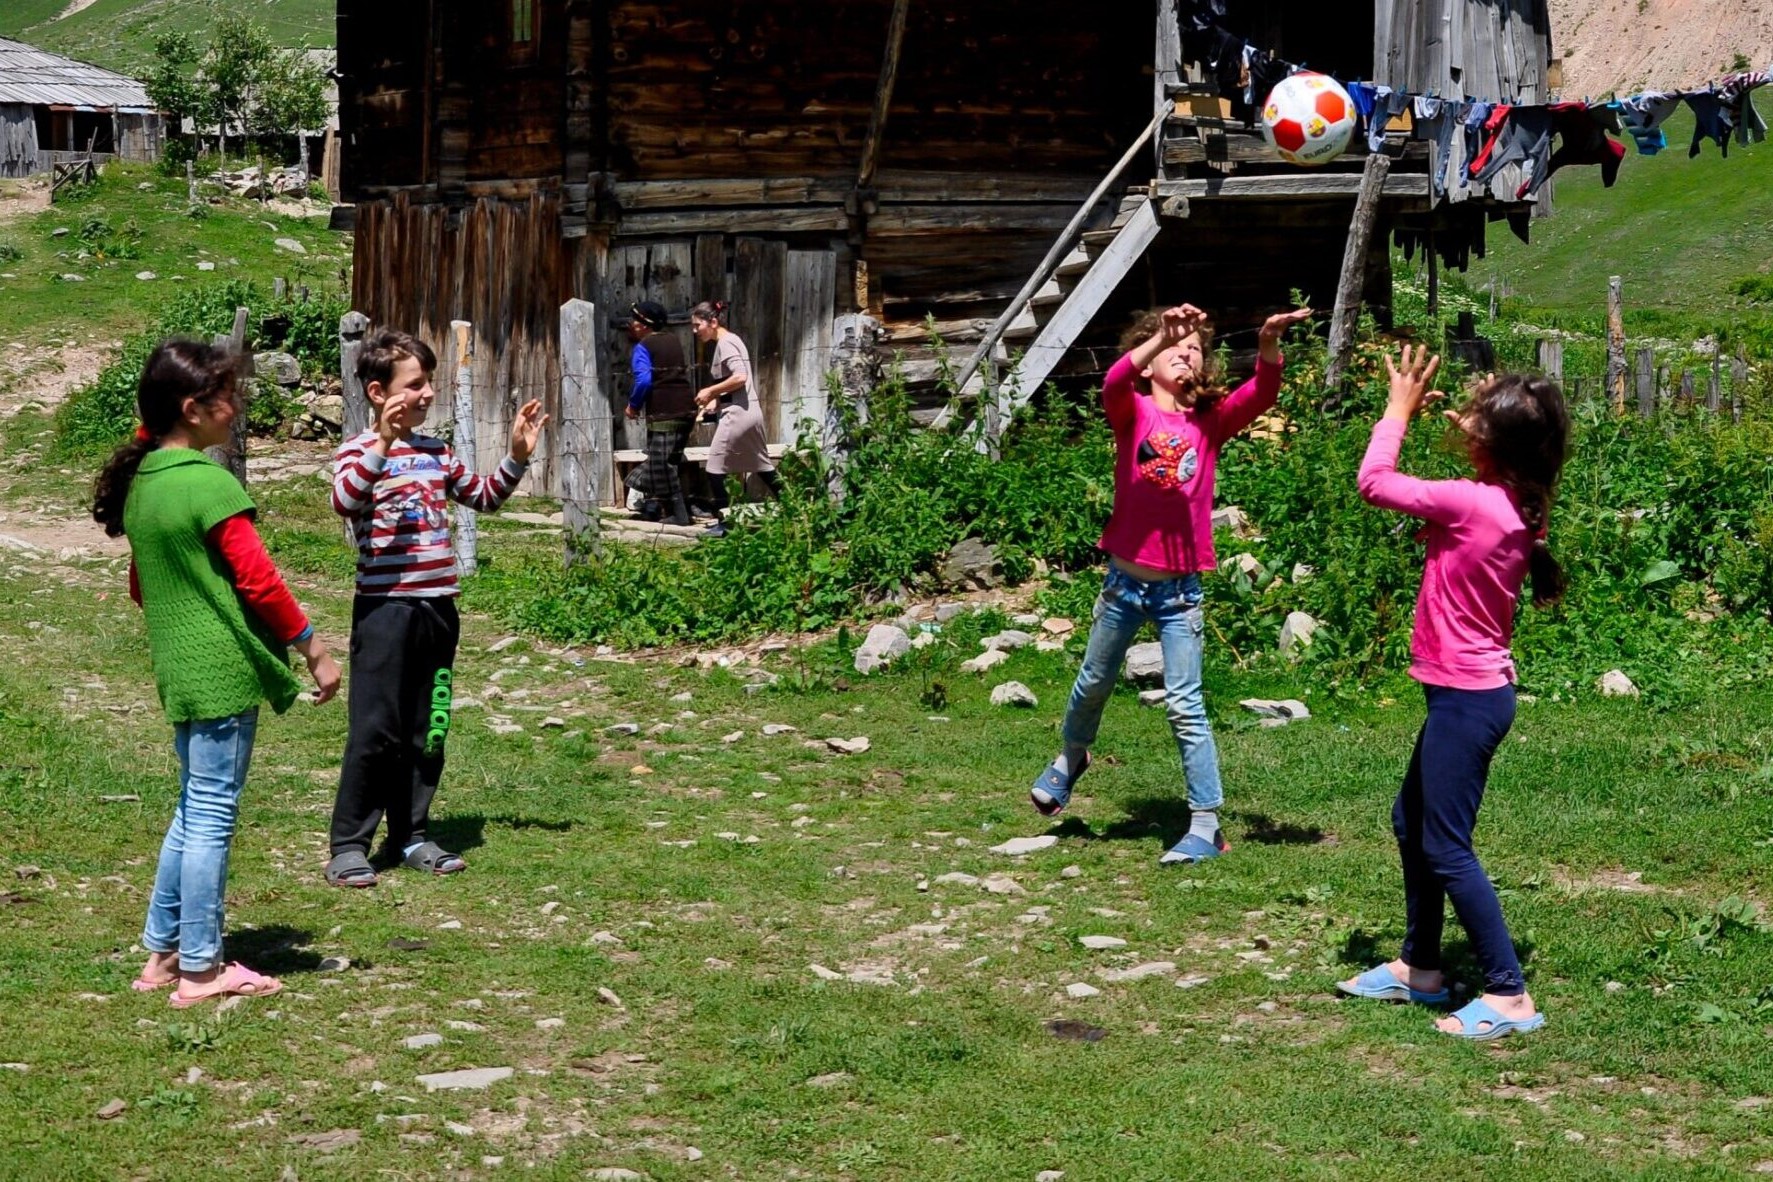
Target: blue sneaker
(1052,788)
(1195,849)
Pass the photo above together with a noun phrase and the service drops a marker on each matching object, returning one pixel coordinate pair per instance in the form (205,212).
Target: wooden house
(1024,174)
(53,107)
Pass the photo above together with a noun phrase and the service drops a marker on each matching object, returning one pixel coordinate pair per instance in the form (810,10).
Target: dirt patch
(22,198)
(1628,882)
(45,377)
(1671,44)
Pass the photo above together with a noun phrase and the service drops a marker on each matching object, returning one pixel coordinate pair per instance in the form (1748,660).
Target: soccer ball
(1308,119)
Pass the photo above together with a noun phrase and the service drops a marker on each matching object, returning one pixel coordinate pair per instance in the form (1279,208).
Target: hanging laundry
(1518,135)
(1711,121)
(1476,115)
(1734,91)
(1436,121)
(1200,15)
(1583,139)
(1388,104)
(1643,115)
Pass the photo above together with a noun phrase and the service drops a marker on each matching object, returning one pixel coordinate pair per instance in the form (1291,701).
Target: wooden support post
(1434,276)
(883,95)
(1688,394)
(358,414)
(587,459)
(190,183)
(279,288)
(1551,359)
(1168,73)
(467,537)
(1346,319)
(1738,382)
(855,366)
(1714,390)
(1646,382)
(1616,345)
(233,457)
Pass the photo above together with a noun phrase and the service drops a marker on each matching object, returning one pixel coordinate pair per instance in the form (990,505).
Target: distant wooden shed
(1023,174)
(53,107)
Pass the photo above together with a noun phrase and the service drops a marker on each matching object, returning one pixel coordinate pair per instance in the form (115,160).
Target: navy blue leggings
(1434,817)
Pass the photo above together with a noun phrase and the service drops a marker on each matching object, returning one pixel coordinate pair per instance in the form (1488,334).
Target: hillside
(1666,44)
(119,34)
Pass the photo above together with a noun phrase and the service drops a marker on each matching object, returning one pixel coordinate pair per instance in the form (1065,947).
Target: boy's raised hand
(526,428)
(1180,323)
(1411,375)
(391,422)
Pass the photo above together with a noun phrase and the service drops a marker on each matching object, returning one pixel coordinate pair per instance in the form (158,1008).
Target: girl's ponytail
(1523,427)
(176,370)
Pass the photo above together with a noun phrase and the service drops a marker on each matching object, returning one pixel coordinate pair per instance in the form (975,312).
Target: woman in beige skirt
(740,446)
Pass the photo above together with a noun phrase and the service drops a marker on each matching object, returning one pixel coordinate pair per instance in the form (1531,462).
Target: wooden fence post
(1738,381)
(1646,382)
(467,538)
(1551,359)
(1345,321)
(233,456)
(352,327)
(1714,389)
(190,183)
(587,461)
(1616,344)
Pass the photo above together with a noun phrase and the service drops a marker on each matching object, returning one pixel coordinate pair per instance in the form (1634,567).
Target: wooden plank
(759,275)
(883,95)
(1346,317)
(467,528)
(808,219)
(1615,345)
(1551,358)
(1646,383)
(586,470)
(1738,382)
(1079,308)
(1297,187)
(1714,389)
(808,309)
(710,267)
(358,412)
(891,186)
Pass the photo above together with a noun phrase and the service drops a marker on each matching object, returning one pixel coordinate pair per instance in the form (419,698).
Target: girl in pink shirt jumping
(1485,536)
(1169,420)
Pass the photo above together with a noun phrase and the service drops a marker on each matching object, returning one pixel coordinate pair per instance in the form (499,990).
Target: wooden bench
(629,458)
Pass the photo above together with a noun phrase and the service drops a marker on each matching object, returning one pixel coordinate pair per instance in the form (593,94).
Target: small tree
(174,85)
(234,69)
(291,99)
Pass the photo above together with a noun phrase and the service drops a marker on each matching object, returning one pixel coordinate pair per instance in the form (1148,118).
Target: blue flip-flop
(1381,984)
(1474,1016)
(1195,849)
(1052,788)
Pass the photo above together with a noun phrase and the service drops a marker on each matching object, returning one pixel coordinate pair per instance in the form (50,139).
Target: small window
(523,22)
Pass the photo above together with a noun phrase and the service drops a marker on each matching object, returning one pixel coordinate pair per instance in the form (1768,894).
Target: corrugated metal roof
(34,76)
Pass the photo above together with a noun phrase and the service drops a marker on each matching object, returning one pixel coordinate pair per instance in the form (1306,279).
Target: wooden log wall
(1496,50)
(497,264)
(18,140)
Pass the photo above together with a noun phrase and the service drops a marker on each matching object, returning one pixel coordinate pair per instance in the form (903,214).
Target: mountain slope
(1664,44)
(119,34)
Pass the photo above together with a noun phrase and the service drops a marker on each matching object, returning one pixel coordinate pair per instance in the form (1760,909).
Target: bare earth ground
(1664,44)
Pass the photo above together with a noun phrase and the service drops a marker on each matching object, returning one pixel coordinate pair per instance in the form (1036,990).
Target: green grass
(156,233)
(1681,233)
(119,34)
(948,1072)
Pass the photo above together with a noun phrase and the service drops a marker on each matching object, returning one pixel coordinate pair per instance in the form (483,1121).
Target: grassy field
(794,991)
(119,34)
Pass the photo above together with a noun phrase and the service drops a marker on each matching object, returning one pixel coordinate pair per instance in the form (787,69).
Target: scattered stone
(291,245)
(550,1023)
(124,798)
(552,723)
(1071,872)
(615,1174)
(1249,564)
(623,728)
(957,878)
(608,997)
(1138,972)
(1301,572)
(146,276)
(206,266)
(972,565)
(1099,943)
(732,737)
(450,925)
(884,644)
(328,1142)
(1296,632)
(947,611)
(112,1110)
(499,646)
(1074,1031)
(1152,697)
(640,769)
(1614,986)
(1144,663)
(1026,845)
(855,746)
(279,367)
(1191,982)
(59,232)
(1281,713)
(1051,1175)
(1079,989)
(685,696)
(988,659)
(70,277)
(478,1077)
(925,639)
(823,973)
(21,1068)
(1615,684)
(27,871)
(335,964)
(1010,639)
(459,1129)
(1003,884)
(1233,518)
(1058,626)
(778,728)
(830,1079)
(1013,693)
(419,1042)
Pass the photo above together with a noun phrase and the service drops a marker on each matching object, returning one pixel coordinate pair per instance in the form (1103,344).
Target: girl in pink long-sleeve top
(1170,419)
(1485,537)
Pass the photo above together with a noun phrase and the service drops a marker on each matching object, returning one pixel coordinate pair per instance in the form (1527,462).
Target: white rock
(1003,884)
(552,723)
(853,746)
(1008,640)
(146,275)
(1079,989)
(1191,982)
(1071,872)
(1101,942)
(823,973)
(1013,693)
(608,997)
(550,1023)
(1301,572)
(884,644)
(449,925)
(465,1027)
(1144,663)
(1615,684)
(615,1174)
(1138,972)
(206,266)
(1286,710)
(1152,697)
(732,737)
(1296,632)
(685,696)
(291,245)
(419,1042)
(459,1129)
(1249,564)
(1026,845)
(1025,619)
(988,659)
(956,878)
(1057,626)
(778,728)
(478,1077)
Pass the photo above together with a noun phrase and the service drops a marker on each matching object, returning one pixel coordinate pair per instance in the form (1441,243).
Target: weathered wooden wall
(1495,50)
(18,140)
(498,264)
(139,137)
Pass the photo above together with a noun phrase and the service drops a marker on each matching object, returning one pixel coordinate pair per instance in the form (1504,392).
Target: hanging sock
(1711,121)
(1583,139)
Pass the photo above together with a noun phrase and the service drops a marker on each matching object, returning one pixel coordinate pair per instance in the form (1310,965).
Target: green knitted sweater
(213,657)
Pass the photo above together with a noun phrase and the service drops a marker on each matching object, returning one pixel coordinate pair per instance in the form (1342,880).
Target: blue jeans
(185,912)
(1435,814)
(1174,606)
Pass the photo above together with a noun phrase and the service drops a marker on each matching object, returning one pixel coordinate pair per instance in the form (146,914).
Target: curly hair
(1205,389)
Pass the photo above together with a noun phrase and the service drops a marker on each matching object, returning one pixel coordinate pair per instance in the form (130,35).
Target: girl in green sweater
(219,619)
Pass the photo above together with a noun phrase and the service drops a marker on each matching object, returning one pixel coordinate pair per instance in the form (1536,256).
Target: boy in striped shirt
(394,486)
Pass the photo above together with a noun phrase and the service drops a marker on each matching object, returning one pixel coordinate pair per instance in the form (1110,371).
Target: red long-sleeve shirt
(255,577)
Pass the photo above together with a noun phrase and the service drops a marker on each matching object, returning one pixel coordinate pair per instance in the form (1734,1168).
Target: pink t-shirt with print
(1163,468)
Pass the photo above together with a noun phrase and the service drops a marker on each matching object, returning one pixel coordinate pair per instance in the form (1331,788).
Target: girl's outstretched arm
(1245,404)
(1381,483)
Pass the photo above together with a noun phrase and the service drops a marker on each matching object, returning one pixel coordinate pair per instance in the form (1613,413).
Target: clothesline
(1474,139)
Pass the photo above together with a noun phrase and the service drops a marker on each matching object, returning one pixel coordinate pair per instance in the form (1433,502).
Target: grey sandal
(351,869)
(433,857)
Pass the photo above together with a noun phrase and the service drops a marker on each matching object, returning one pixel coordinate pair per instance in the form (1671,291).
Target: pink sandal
(236,980)
(143,985)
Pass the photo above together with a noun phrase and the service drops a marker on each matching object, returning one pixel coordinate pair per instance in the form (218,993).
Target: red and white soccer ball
(1308,119)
